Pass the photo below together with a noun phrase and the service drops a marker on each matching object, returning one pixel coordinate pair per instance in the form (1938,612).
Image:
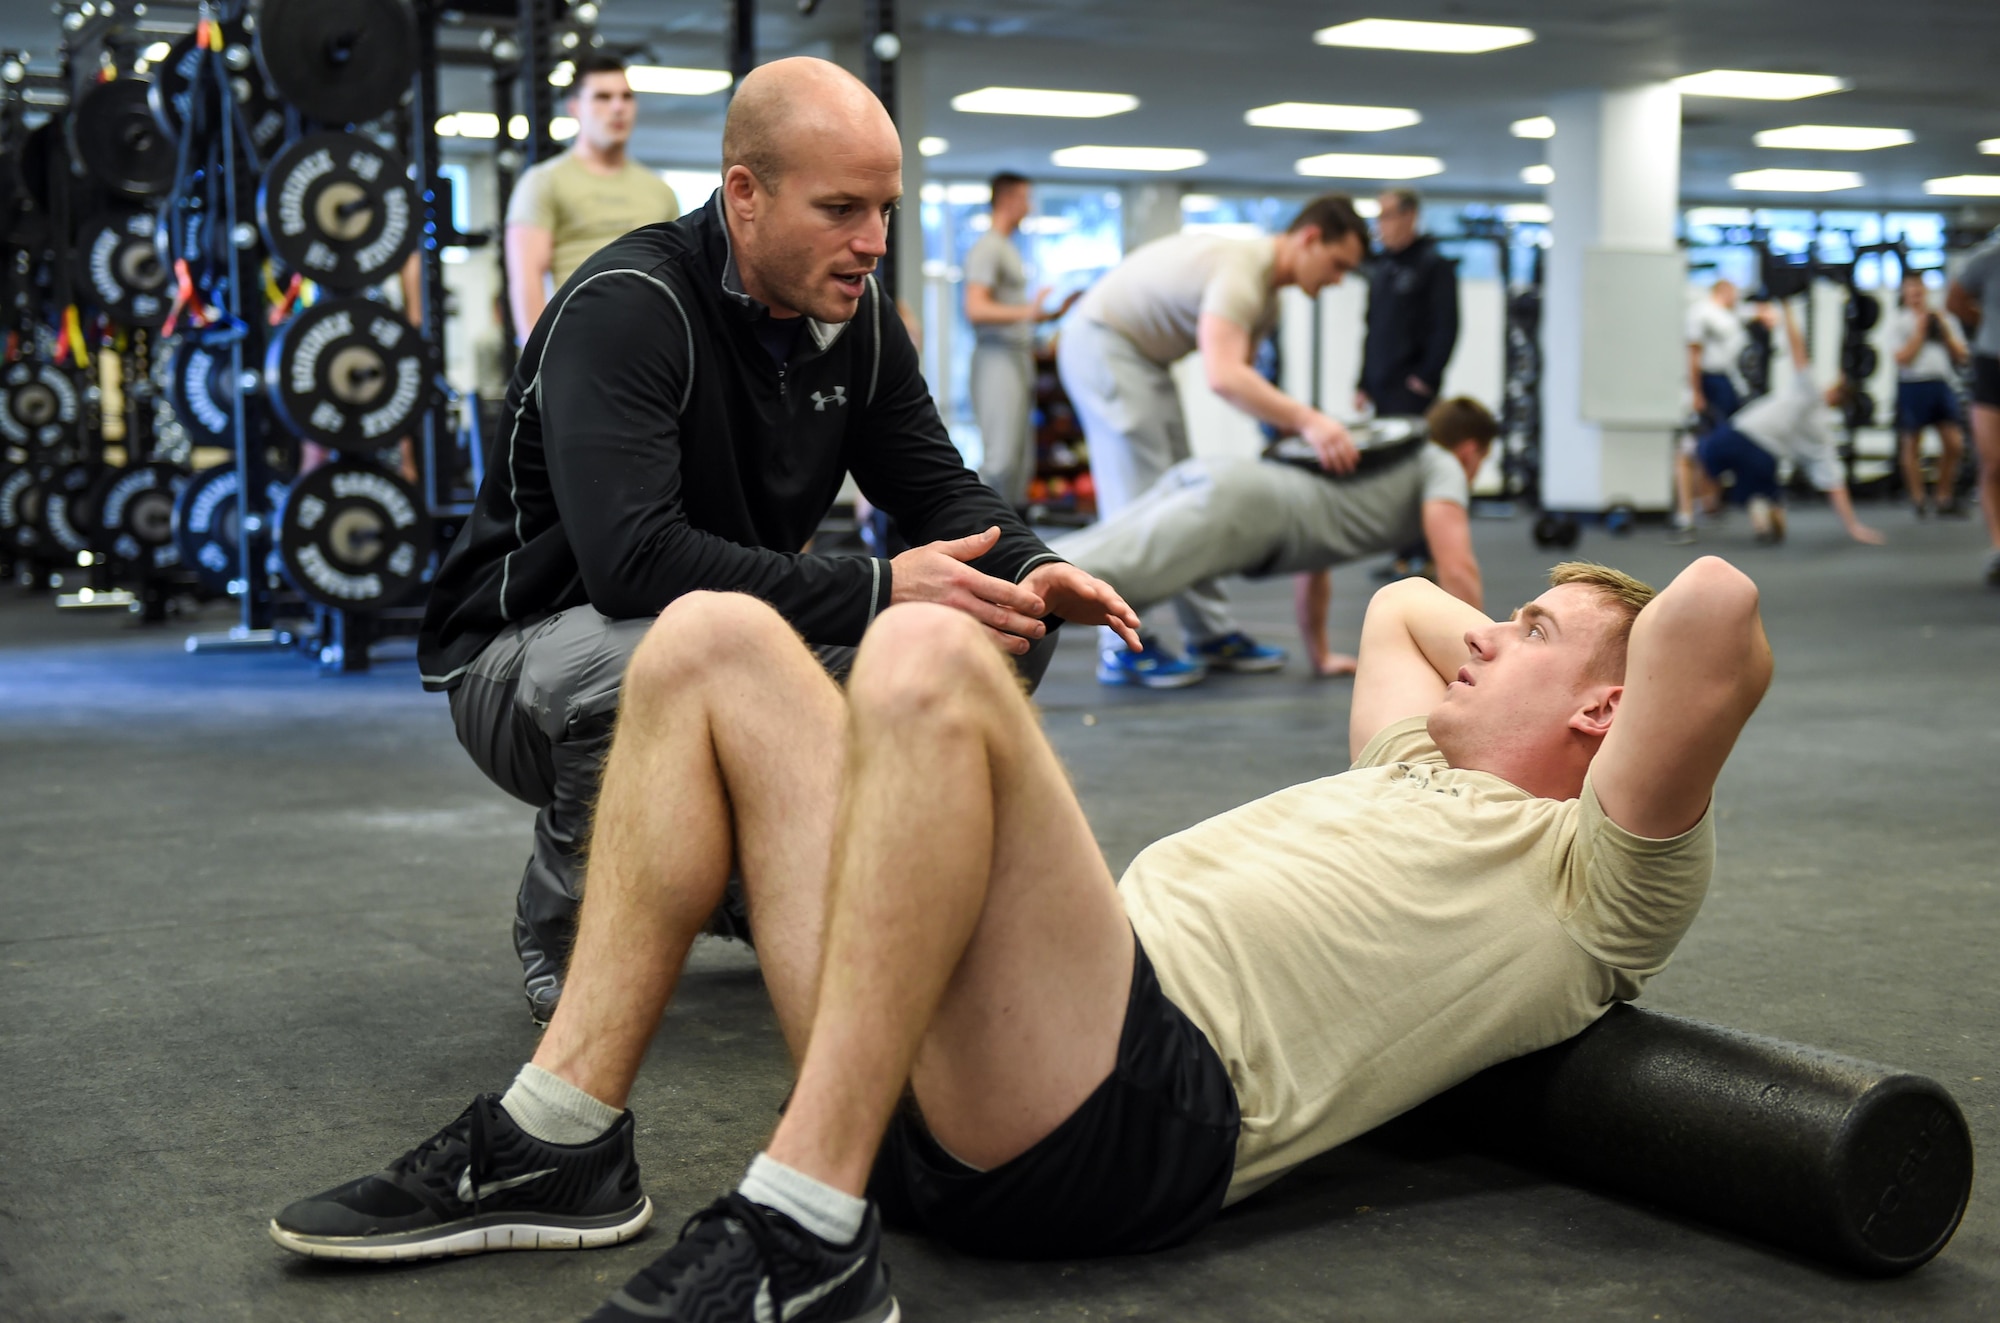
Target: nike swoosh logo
(491,1188)
(798,1304)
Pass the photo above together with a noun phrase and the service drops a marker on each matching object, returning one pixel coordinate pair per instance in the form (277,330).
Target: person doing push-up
(1002,1045)
(1259,517)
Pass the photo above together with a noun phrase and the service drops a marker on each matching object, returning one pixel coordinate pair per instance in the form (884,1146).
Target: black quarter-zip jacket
(651,448)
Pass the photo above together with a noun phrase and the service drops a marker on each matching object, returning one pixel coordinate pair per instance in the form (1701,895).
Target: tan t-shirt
(1353,945)
(1156,296)
(583,210)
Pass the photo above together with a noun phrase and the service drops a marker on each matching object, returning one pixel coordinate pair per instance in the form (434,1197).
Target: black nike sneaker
(481,1183)
(740,1262)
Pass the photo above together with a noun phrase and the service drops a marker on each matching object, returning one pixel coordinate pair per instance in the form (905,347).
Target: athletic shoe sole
(1116,679)
(1245,665)
(472,1235)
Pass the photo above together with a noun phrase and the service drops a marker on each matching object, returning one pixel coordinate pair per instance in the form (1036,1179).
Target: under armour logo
(820,401)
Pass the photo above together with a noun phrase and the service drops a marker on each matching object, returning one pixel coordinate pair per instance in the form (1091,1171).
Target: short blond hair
(1625,595)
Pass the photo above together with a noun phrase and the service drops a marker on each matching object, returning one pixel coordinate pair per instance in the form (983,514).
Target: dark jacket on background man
(1412,326)
(654,446)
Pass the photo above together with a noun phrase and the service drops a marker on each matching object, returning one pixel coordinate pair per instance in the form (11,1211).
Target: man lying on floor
(1009,1050)
(1210,517)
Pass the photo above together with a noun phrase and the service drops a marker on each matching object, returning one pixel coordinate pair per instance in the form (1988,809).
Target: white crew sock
(832,1215)
(555,1111)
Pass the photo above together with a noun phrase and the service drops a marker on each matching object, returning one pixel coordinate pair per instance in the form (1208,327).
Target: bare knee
(921,661)
(706,634)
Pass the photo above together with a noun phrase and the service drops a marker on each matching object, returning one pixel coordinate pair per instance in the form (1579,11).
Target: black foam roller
(1844,1160)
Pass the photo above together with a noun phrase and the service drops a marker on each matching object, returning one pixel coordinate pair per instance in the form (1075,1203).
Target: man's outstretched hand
(1011,613)
(1083,600)
(937,572)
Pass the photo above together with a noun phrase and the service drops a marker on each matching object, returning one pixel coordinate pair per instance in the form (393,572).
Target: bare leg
(975,942)
(1986,437)
(728,749)
(1910,448)
(1312,594)
(1952,439)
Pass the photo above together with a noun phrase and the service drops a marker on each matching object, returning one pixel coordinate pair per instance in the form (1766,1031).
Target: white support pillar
(1613,361)
(1152,211)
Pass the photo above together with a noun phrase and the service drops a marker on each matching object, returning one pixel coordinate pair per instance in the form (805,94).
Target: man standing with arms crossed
(1974,298)
(567,208)
(1165,300)
(1003,354)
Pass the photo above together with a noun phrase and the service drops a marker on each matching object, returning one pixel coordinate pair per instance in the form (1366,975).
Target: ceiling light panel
(1043,101)
(1990,147)
(1795,181)
(1754,86)
(1833,138)
(668,80)
(1540,175)
(1336,119)
(1129,158)
(1349,165)
(1964,186)
(1396,34)
(1540,126)
(932,146)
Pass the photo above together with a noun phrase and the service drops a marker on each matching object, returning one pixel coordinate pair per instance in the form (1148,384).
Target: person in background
(1004,318)
(1929,352)
(1789,422)
(1412,313)
(1716,338)
(1974,298)
(565,209)
(1168,298)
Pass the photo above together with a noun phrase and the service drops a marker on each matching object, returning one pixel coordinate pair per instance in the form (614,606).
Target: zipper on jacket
(781,381)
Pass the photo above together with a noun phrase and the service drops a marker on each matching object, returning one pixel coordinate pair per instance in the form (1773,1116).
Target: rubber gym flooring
(255,943)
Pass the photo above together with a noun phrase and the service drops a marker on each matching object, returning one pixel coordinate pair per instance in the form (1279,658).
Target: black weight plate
(114,134)
(354,536)
(135,515)
(1859,359)
(339,210)
(339,63)
(263,115)
(65,515)
(206,525)
(1863,311)
(348,373)
(21,494)
(203,396)
(119,264)
(39,408)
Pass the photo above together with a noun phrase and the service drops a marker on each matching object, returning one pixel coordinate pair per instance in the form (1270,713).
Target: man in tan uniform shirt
(1003,1047)
(567,208)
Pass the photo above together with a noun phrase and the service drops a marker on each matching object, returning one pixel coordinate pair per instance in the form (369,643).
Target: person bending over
(1000,1045)
(1788,422)
(681,419)
(1216,295)
(1211,517)
(1929,353)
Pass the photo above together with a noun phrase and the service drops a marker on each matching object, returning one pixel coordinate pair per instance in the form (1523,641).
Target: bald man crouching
(681,420)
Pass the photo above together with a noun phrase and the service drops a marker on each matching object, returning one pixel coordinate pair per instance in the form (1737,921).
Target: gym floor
(256,944)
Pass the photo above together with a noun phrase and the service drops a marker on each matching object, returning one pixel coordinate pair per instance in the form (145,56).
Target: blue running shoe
(1238,652)
(1152,668)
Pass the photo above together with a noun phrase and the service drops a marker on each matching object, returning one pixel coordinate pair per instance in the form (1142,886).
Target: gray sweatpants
(1132,422)
(535,711)
(1003,399)
(1205,519)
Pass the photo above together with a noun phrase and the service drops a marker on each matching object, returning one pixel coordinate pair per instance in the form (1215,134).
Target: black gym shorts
(1142,1164)
(1986,379)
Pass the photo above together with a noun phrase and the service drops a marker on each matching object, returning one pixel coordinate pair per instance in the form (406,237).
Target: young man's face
(604,110)
(827,225)
(1012,204)
(1525,677)
(1322,263)
(1915,295)
(1724,294)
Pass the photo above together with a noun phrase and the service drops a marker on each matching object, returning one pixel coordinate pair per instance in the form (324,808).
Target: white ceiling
(1929,66)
